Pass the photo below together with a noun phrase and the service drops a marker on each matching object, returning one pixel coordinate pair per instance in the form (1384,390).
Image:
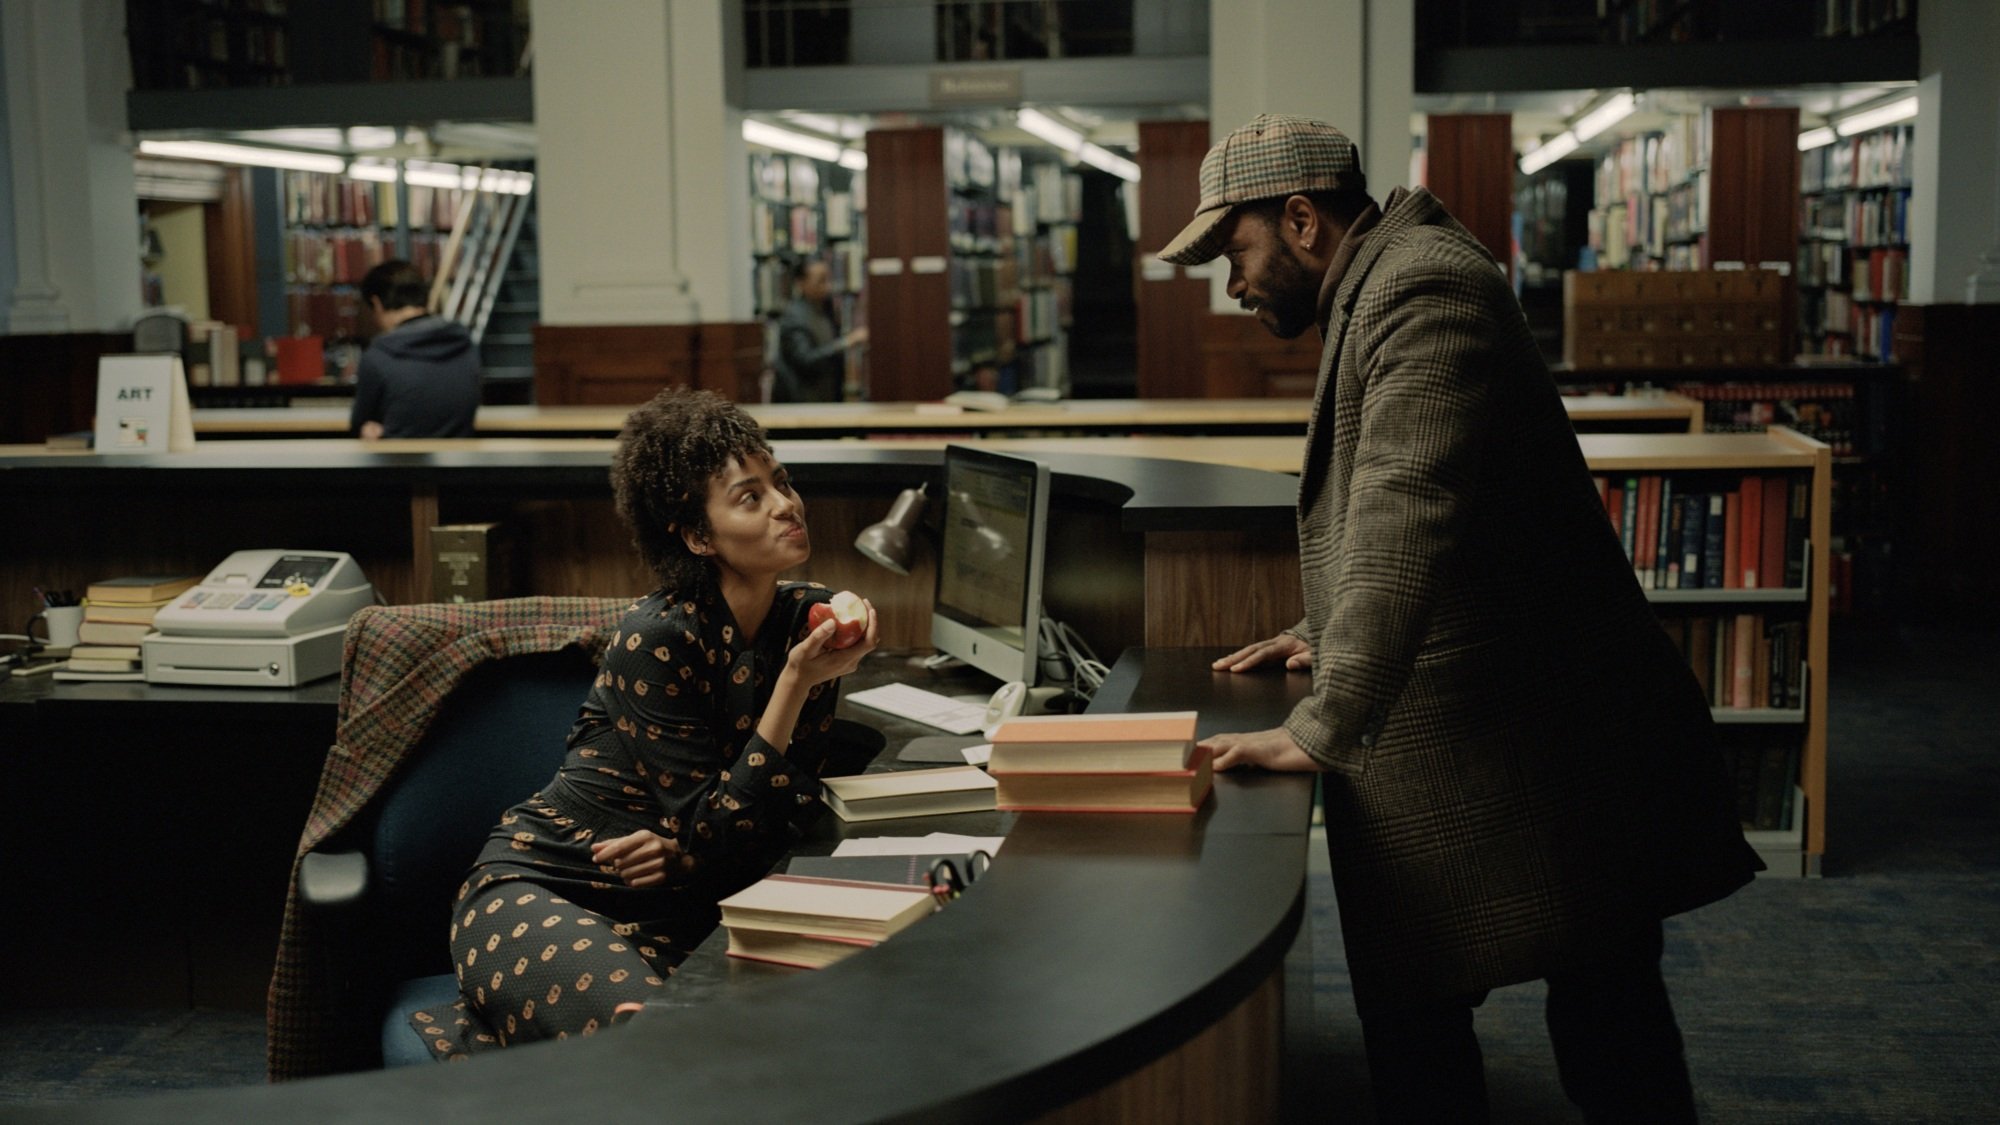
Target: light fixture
(378,171)
(846,128)
(1814,138)
(1616,108)
(785,140)
(1900,110)
(1044,127)
(1550,151)
(245,154)
(1039,124)
(889,543)
(1100,157)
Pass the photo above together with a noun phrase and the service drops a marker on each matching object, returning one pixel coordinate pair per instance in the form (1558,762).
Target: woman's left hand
(814,663)
(640,858)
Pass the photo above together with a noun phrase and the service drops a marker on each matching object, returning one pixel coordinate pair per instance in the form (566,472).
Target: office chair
(378,892)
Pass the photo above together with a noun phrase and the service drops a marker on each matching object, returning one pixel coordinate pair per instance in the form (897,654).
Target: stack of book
(117,615)
(1142,762)
(918,792)
(811,922)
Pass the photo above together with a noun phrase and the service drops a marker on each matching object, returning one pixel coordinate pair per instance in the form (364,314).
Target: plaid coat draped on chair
(398,665)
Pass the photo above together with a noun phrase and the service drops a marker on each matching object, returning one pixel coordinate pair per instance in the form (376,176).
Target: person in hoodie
(419,377)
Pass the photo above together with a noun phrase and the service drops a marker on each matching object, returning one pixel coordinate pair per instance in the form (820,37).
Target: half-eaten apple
(848,613)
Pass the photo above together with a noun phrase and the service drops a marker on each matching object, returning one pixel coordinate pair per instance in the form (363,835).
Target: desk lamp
(889,542)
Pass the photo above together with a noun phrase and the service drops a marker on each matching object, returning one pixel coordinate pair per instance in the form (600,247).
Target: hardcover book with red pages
(1143,742)
(1164,791)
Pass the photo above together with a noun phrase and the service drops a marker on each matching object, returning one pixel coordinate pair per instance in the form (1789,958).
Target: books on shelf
(1145,742)
(917,792)
(1692,534)
(1743,661)
(812,922)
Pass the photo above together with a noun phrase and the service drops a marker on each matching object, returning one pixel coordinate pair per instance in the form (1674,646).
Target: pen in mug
(41,597)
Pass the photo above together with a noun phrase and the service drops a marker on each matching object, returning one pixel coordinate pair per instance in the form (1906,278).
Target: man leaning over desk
(1520,772)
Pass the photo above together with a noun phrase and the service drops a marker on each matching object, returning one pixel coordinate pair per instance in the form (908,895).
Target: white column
(75,209)
(1956,172)
(1983,287)
(641,173)
(1349,63)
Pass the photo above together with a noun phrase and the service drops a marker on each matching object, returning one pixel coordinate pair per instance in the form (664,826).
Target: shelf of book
(1853,257)
(804,209)
(1759,649)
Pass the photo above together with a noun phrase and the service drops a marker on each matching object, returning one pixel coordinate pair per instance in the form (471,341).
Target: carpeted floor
(1871,995)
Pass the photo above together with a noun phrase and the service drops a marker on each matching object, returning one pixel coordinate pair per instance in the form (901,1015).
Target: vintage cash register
(269,618)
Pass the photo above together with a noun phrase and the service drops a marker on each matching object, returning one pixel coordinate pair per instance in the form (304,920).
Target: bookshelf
(1777,743)
(1854,244)
(210,44)
(959,276)
(804,208)
(335,228)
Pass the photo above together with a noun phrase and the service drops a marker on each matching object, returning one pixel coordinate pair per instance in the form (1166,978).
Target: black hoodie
(419,379)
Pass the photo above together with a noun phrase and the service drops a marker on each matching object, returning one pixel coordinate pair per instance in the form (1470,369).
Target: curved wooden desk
(1108,967)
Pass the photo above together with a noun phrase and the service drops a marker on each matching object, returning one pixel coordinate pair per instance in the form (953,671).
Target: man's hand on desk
(1267,749)
(1295,653)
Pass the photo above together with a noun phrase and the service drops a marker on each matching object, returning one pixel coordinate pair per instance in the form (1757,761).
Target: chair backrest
(498,737)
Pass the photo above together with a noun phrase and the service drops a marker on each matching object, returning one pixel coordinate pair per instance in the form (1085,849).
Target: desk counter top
(1096,945)
(1153,494)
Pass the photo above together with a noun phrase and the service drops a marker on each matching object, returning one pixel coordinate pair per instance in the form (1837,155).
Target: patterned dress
(545,942)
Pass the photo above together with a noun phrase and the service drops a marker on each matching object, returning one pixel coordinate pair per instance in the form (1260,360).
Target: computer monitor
(994,534)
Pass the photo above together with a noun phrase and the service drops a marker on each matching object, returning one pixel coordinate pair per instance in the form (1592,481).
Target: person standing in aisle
(1520,773)
(419,377)
(811,363)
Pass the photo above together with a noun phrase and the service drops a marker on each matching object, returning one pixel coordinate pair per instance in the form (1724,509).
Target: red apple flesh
(848,613)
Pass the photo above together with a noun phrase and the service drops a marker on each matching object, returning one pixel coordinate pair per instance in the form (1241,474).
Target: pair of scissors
(946,879)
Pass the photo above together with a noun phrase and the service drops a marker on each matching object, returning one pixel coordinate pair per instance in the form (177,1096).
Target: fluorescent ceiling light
(1618,108)
(1875,118)
(1551,150)
(1814,138)
(845,127)
(362,138)
(381,172)
(785,140)
(854,158)
(245,154)
(1039,124)
(1111,162)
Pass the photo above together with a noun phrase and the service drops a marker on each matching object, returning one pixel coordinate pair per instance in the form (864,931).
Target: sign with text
(142,405)
(985,86)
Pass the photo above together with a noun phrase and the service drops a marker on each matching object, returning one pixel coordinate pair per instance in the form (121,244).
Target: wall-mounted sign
(982,86)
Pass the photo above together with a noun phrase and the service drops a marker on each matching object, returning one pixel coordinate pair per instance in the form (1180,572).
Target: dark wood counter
(1107,967)
(1136,541)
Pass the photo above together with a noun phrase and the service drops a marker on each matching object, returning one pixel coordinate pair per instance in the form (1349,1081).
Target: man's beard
(1293,295)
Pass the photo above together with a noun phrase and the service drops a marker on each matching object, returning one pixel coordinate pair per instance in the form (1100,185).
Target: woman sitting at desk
(696,753)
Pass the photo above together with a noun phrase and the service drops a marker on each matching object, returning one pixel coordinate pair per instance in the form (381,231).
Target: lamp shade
(888,542)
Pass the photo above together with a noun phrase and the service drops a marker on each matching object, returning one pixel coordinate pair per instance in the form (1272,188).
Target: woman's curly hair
(667,452)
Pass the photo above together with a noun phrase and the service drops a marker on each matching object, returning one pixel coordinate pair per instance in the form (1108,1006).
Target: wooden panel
(48,383)
(1469,160)
(588,365)
(1221,588)
(1948,532)
(229,229)
(1241,359)
(1753,185)
(1170,308)
(909,314)
(1228,1071)
(730,354)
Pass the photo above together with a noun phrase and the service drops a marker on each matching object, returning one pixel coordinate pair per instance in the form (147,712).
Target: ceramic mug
(62,621)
